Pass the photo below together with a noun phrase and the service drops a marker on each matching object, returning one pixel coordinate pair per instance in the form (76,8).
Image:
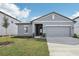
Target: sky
(29,11)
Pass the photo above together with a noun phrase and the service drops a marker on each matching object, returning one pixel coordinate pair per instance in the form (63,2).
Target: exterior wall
(12,29)
(57,20)
(76,26)
(21,31)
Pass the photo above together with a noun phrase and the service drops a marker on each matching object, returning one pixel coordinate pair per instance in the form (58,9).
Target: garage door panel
(55,31)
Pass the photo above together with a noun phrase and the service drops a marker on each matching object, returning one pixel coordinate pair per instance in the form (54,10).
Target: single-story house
(12,28)
(49,25)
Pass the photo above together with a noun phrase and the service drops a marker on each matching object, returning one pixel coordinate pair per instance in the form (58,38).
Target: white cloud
(75,15)
(14,10)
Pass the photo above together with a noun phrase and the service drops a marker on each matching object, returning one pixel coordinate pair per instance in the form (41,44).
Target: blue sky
(40,9)
(29,11)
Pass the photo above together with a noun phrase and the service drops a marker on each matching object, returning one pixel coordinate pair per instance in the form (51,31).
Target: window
(26,29)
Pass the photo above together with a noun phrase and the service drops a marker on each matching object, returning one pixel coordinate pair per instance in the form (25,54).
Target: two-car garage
(58,31)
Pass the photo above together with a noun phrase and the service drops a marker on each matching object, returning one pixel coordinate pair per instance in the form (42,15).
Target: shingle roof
(76,18)
(9,16)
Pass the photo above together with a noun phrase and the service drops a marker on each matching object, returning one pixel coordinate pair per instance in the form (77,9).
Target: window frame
(25,29)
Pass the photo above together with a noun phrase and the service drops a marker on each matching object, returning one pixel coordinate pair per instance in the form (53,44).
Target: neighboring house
(76,25)
(12,28)
(52,25)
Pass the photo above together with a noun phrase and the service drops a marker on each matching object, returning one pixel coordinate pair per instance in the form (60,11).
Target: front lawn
(24,47)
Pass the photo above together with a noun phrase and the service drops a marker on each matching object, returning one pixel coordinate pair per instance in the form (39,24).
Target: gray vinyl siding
(76,26)
(12,28)
(49,18)
(21,31)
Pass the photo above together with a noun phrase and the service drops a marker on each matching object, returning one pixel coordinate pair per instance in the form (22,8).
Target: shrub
(75,36)
(44,35)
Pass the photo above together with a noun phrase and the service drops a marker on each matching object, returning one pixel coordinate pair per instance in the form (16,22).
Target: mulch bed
(5,43)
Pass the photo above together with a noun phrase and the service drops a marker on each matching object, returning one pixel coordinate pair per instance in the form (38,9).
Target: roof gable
(76,18)
(53,13)
(9,16)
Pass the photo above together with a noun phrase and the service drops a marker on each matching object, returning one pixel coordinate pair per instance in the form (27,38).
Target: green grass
(24,47)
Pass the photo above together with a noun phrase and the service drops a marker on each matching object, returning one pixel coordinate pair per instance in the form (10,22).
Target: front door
(38,29)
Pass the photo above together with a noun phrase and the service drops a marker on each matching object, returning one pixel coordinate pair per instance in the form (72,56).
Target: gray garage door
(57,31)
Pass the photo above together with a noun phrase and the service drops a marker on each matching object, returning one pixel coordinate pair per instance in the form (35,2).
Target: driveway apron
(63,46)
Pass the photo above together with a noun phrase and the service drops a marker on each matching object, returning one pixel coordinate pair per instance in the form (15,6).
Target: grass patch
(24,47)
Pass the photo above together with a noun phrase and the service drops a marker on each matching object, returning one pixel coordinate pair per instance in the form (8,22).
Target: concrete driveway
(63,46)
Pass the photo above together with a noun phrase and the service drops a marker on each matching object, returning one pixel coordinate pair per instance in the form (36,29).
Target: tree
(5,24)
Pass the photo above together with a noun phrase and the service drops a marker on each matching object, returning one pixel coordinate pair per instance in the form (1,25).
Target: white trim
(52,21)
(26,25)
(26,28)
(26,33)
(58,25)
